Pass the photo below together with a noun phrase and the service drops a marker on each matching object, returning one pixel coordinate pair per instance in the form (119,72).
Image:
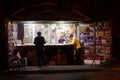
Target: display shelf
(103,40)
(86,38)
(96,39)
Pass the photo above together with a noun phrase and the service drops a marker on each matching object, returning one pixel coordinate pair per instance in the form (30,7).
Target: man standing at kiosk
(39,42)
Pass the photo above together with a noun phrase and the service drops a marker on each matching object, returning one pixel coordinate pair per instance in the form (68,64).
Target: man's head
(39,33)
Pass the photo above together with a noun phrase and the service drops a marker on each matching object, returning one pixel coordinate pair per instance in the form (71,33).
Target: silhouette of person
(39,42)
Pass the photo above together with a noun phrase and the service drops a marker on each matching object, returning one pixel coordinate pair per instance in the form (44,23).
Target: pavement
(63,69)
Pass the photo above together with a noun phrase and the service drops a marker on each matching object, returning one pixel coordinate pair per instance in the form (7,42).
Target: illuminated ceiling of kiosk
(85,10)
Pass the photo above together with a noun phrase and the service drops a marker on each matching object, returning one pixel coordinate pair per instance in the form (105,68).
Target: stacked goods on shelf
(87,40)
(103,40)
(28,33)
(10,43)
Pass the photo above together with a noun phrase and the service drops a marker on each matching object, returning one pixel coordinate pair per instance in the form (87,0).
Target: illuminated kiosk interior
(51,30)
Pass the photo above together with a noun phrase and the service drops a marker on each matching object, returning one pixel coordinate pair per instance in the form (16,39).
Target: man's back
(39,41)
